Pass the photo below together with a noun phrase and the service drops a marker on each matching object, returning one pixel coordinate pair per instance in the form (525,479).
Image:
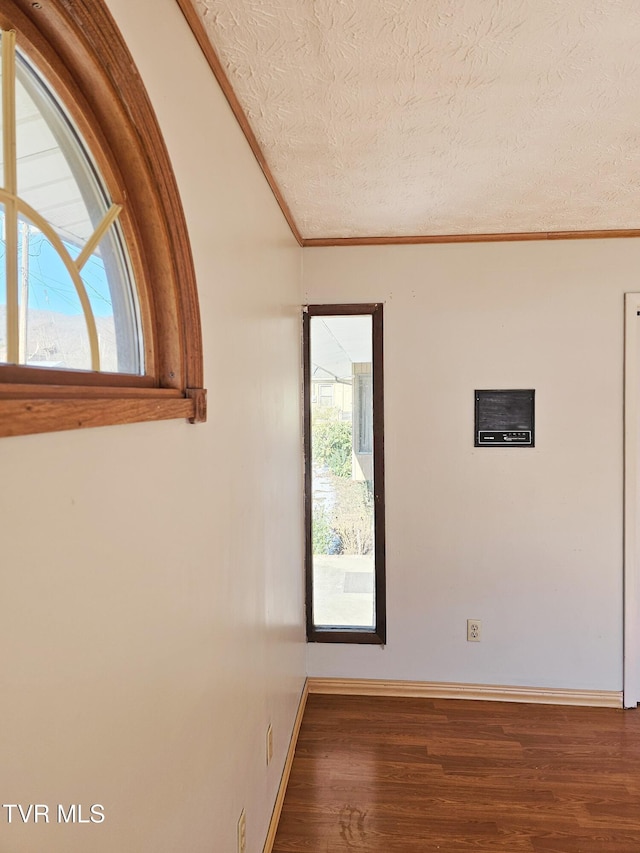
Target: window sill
(29,409)
(345,635)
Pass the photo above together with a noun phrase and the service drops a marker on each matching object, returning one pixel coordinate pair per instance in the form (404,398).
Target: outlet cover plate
(474,630)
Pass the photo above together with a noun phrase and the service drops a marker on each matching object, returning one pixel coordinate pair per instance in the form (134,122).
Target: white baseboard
(445,690)
(284,781)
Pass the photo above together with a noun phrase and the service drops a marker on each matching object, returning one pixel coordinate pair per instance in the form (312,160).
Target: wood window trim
(378,635)
(82,53)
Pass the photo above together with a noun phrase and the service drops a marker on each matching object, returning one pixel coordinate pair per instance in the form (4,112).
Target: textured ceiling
(433,117)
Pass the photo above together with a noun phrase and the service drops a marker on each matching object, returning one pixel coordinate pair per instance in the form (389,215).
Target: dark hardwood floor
(389,775)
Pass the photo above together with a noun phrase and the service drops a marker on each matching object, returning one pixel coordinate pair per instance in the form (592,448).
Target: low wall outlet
(473,630)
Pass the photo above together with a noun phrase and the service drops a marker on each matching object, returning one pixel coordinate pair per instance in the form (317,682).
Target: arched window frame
(80,50)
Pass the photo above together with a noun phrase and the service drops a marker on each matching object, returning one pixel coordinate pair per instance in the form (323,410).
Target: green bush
(321,532)
(332,442)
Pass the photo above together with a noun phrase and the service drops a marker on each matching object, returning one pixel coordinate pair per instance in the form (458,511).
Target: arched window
(99,321)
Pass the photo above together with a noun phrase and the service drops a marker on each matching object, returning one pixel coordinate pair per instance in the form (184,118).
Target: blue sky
(51,287)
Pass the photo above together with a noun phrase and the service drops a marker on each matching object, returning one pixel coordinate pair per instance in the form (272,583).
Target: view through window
(345,499)
(67,299)
(99,316)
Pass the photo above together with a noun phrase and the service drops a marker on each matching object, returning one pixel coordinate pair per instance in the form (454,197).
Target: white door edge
(631,666)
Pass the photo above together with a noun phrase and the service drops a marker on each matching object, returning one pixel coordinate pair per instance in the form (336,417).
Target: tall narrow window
(345,549)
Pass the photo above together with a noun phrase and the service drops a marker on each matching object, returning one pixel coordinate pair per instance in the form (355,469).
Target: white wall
(152,603)
(530,540)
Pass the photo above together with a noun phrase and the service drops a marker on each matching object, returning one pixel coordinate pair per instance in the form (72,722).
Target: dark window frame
(378,634)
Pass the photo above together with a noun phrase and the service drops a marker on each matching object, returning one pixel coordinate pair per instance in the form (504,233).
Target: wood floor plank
(398,775)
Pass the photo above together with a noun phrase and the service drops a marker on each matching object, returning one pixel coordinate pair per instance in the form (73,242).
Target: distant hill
(61,340)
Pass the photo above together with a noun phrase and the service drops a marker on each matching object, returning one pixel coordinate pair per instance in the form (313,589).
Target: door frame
(631,613)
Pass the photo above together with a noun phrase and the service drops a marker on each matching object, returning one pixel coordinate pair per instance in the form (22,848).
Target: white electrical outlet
(242,832)
(473,630)
(269,744)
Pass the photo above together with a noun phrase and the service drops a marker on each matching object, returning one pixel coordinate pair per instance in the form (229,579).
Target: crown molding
(198,29)
(507,237)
